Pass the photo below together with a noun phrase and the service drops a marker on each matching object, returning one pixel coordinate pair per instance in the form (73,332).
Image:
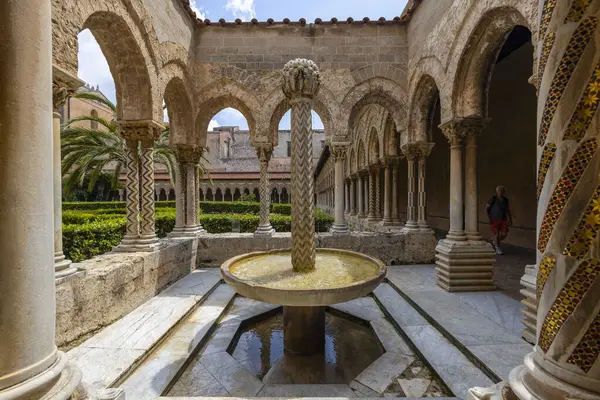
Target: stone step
(155,373)
(457,371)
(108,356)
(317,396)
(485,327)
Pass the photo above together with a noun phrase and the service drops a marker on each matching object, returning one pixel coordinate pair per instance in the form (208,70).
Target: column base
(464,266)
(142,244)
(339,229)
(528,281)
(194,230)
(264,231)
(532,381)
(390,222)
(62,266)
(59,382)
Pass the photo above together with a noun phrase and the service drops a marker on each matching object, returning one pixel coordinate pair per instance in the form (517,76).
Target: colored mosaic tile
(544,270)
(567,301)
(546,49)
(547,157)
(577,10)
(587,107)
(547,12)
(564,189)
(577,45)
(586,353)
(585,234)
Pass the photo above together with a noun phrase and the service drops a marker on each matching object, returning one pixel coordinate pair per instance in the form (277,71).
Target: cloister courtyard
(395,285)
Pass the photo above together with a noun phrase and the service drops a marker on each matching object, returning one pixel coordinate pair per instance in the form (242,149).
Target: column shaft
(132,187)
(372,214)
(471,209)
(456,232)
(28,355)
(422,197)
(411,214)
(264,227)
(395,193)
(180,207)
(360,194)
(353,196)
(387,197)
(191,201)
(148,229)
(339,156)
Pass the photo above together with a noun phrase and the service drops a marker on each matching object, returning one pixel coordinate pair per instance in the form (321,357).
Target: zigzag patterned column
(565,363)
(134,133)
(264,152)
(301,81)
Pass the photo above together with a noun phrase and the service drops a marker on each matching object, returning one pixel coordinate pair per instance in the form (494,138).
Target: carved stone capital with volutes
(338,151)
(64,85)
(425,148)
(460,128)
(142,130)
(411,151)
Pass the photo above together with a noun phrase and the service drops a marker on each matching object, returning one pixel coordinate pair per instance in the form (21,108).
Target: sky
(94,70)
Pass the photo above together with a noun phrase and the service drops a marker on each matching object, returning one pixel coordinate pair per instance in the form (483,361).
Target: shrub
(84,241)
(282,209)
(248,198)
(95,205)
(229,207)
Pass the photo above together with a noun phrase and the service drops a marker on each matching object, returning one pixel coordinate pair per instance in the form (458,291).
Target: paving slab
(383,371)
(363,308)
(306,391)
(153,376)
(236,379)
(457,372)
(498,307)
(402,312)
(197,381)
(501,358)
(389,338)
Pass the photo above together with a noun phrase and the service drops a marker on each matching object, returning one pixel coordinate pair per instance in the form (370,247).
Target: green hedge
(87,234)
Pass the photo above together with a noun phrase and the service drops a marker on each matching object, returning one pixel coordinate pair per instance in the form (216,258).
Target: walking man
(498,211)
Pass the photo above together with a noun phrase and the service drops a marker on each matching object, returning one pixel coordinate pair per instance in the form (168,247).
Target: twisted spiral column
(565,363)
(265,228)
(371,190)
(301,81)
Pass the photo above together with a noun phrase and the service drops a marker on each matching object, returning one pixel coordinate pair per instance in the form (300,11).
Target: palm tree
(87,153)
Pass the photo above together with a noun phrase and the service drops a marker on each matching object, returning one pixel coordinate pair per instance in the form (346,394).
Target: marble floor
(185,343)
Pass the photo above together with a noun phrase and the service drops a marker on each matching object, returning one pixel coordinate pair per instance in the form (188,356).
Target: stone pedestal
(530,303)
(303,330)
(31,367)
(464,266)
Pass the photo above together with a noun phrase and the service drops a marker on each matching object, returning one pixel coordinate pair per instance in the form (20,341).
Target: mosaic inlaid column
(565,363)
(64,85)
(411,152)
(424,152)
(264,152)
(31,367)
(361,194)
(462,265)
(301,81)
(371,191)
(338,153)
(192,223)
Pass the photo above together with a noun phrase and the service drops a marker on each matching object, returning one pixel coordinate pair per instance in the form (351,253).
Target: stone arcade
(441,89)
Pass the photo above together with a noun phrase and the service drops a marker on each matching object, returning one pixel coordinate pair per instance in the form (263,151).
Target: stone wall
(427,15)
(391,248)
(112,285)
(332,46)
(171,22)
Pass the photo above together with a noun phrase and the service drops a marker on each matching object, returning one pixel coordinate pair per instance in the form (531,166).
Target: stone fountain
(304,279)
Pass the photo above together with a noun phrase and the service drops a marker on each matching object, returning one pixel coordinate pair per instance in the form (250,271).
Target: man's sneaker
(499,251)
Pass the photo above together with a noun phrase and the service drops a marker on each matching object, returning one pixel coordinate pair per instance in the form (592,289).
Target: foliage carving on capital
(301,79)
(64,85)
(338,151)
(459,128)
(425,148)
(411,151)
(142,130)
(264,152)
(188,154)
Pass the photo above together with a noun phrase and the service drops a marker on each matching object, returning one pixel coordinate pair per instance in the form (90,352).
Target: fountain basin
(339,276)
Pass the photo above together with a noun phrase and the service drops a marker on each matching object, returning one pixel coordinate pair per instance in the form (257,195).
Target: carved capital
(339,151)
(411,151)
(301,79)
(64,85)
(459,128)
(264,152)
(188,154)
(425,148)
(142,130)
(391,160)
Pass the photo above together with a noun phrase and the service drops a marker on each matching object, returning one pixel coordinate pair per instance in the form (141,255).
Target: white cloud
(213,124)
(242,9)
(93,68)
(196,9)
